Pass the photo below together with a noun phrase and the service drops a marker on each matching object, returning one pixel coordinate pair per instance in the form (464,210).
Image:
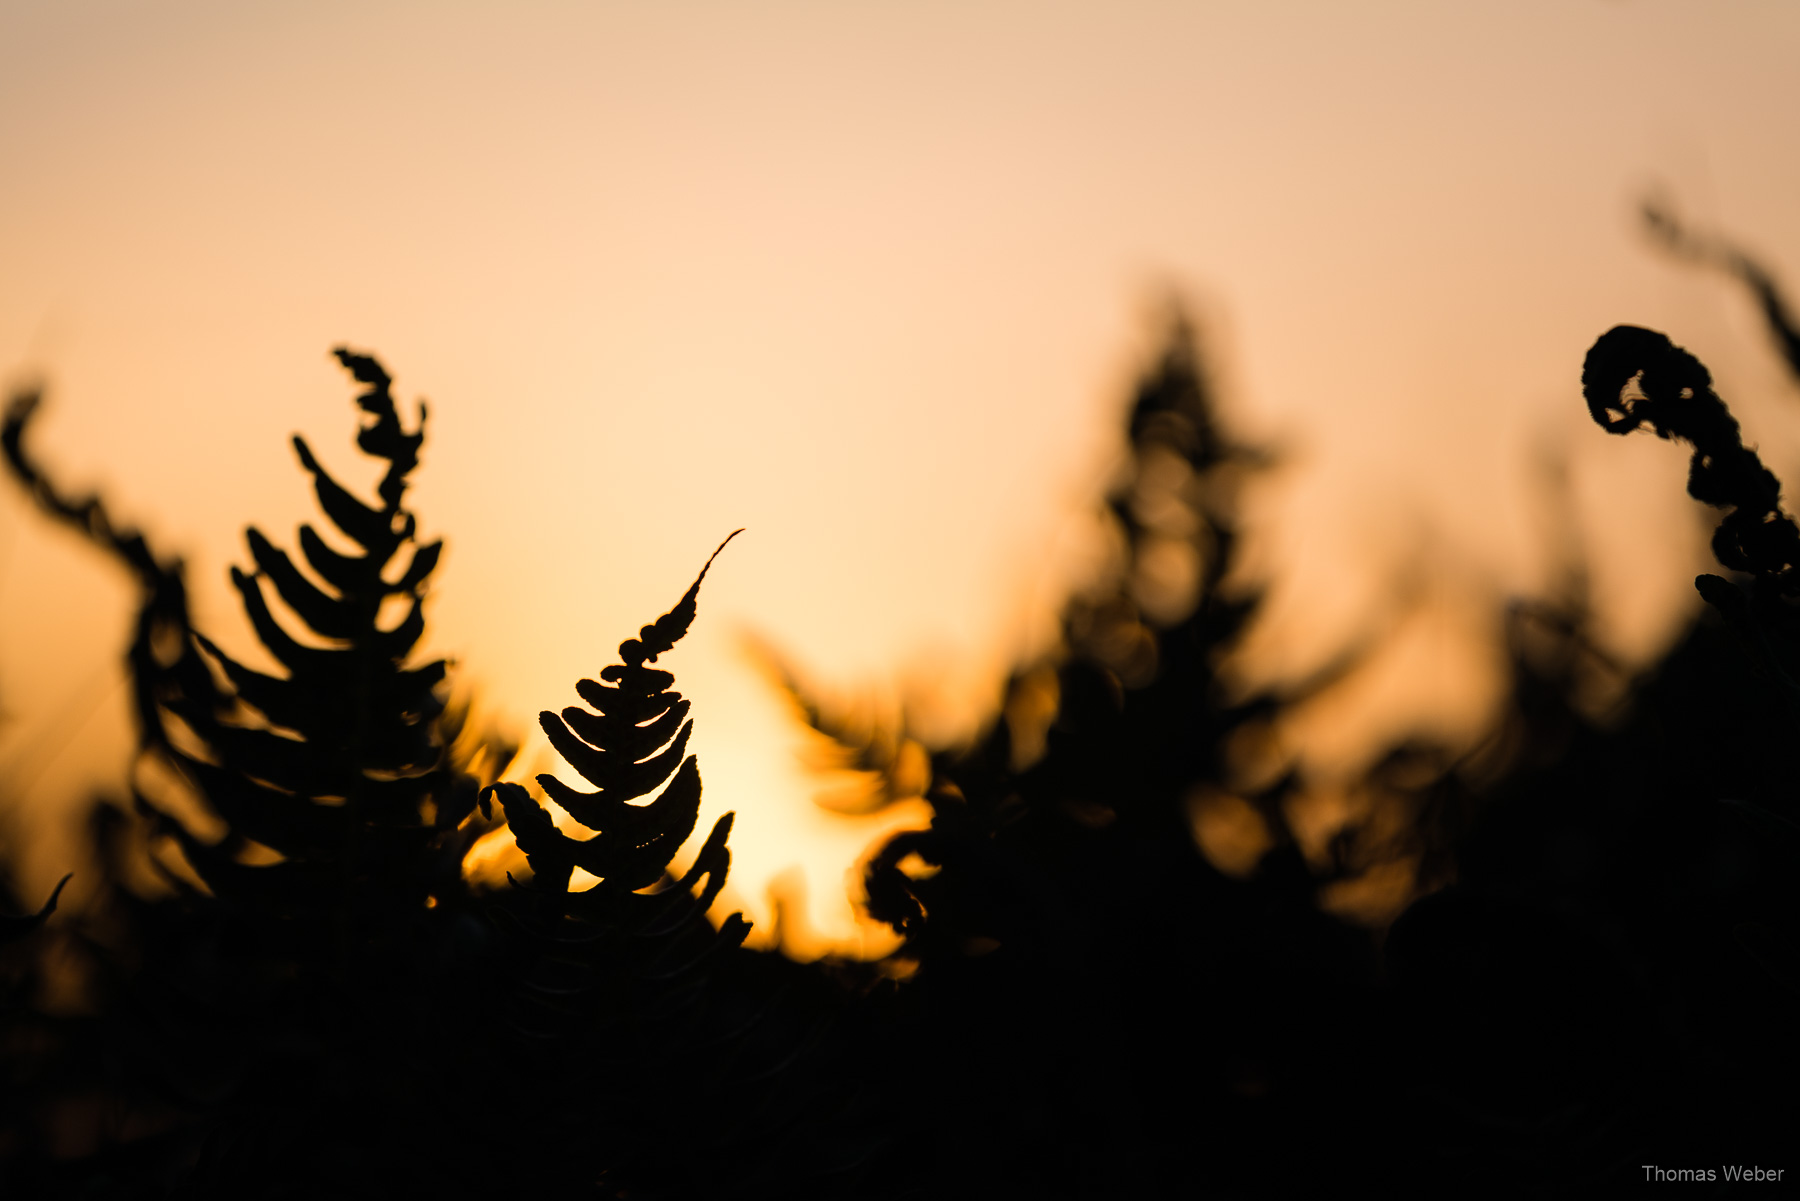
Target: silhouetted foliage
(634,745)
(1096,1009)
(1635,377)
(710,1070)
(273,1002)
(325,1005)
(291,989)
(1555,1012)
(1585,998)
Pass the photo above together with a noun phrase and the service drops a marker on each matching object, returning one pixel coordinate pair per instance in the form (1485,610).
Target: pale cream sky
(870,281)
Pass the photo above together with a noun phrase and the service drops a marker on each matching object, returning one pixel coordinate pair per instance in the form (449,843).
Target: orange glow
(1230,832)
(864,280)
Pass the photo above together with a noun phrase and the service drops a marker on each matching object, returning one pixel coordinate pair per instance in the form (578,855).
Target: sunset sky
(870,280)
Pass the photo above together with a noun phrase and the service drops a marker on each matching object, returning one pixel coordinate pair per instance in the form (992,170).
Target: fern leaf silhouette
(340,761)
(633,943)
(1634,377)
(634,743)
(334,904)
(338,766)
(631,986)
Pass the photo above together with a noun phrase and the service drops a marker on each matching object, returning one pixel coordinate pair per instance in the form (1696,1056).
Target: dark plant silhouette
(1599,945)
(1636,377)
(265,1004)
(339,767)
(289,988)
(632,1016)
(1600,986)
(1148,999)
(604,966)
(318,1002)
(634,745)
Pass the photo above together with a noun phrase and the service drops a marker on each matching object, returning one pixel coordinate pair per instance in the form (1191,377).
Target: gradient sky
(870,280)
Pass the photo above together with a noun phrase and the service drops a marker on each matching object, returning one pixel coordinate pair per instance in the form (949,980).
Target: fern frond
(335,952)
(338,766)
(1635,377)
(632,744)
(628,984)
